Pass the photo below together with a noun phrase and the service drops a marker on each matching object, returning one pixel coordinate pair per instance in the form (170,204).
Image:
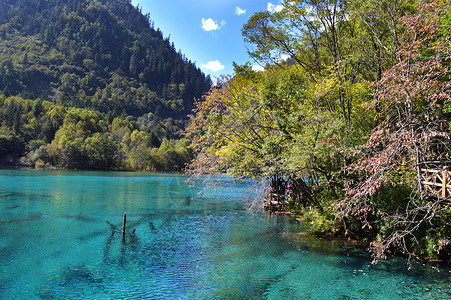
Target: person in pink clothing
(289,189)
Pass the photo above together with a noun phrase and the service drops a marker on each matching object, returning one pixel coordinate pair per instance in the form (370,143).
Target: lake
(60,238)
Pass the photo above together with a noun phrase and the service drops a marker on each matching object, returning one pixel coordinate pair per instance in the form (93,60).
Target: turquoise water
(55,243)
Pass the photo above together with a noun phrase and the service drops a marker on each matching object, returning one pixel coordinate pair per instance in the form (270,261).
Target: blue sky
(208,32)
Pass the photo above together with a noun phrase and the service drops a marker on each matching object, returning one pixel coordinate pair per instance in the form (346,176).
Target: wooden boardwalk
(276,202)
(437,183)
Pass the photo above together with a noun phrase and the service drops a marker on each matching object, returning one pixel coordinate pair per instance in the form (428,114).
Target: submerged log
(151,226)
(112,226)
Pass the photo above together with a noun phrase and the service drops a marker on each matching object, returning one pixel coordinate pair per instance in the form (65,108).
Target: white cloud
(274,8)
(284,57)
(209,24)
(213,66)
(239,11)
(258,68)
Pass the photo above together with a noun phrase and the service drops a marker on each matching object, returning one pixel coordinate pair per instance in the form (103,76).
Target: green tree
(102,151)
(136,145)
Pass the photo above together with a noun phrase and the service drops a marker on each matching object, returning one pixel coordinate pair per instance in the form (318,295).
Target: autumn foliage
(360,107)
(412,132)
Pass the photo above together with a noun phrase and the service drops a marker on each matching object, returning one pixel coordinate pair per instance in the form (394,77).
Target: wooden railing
(437,182)
(276,202)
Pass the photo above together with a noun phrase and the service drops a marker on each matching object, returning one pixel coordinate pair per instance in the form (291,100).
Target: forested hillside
(352,119)
(43,134)
(96,54)
(90,84)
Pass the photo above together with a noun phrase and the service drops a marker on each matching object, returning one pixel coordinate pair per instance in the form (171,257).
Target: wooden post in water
(123,227)
(444,181)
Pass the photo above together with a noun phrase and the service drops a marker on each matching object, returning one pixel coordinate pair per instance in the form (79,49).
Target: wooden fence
(437,182)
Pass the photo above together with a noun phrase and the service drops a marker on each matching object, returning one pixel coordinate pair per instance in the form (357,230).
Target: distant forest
(103,57)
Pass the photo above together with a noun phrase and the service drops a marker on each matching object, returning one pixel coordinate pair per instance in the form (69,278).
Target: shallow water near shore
(60,238)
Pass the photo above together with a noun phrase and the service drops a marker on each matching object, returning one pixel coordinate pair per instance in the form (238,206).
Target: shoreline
(329,236)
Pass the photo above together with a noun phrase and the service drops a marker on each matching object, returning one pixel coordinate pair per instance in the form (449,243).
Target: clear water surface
(60,239)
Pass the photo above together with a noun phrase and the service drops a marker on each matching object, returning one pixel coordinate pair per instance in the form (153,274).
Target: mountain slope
(101,54)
